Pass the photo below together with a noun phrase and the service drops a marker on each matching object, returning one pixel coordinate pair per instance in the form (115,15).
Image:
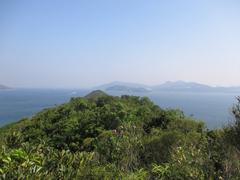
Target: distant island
(4,87)
(173,86)
(127,89)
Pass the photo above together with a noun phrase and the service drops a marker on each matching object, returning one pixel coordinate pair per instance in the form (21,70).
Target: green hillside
(96,94)
(104,137)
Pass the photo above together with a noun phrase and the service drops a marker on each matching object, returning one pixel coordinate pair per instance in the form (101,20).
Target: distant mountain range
(129,89)
(167,86)
(125,87)
(193,87)
(170,86)
(4,87)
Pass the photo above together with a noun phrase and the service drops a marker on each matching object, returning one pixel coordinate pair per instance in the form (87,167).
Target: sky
(84,43)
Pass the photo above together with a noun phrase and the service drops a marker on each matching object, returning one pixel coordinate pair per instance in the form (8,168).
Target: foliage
(127,137)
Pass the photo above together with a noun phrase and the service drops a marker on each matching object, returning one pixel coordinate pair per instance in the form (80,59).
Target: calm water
(213,108)
(16,104)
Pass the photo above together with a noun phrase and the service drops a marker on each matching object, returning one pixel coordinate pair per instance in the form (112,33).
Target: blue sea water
(19,103)
(212,108)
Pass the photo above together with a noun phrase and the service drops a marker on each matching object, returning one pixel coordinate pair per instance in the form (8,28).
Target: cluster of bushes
(127,137)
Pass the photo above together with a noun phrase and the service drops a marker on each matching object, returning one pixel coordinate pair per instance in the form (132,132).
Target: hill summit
(96,94)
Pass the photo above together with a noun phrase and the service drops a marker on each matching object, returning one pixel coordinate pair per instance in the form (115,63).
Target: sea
(214,108)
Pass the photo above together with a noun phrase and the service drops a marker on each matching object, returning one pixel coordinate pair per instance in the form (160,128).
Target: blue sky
(82,43)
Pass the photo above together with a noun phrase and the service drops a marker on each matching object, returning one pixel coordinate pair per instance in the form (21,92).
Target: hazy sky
(82,43)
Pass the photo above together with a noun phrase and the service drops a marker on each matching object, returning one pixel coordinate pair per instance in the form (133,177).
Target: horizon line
(119,82)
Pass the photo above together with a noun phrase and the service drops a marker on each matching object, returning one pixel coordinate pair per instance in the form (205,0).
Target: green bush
(128,137)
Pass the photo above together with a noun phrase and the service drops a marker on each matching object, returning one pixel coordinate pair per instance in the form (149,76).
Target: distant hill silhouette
(127,89)
(118,83)
(4,87)
(182,86)
(167,86)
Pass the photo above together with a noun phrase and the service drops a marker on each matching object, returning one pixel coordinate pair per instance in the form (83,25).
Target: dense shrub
(128,137)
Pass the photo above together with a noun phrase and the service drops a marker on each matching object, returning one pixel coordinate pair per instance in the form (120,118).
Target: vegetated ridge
(105,137)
